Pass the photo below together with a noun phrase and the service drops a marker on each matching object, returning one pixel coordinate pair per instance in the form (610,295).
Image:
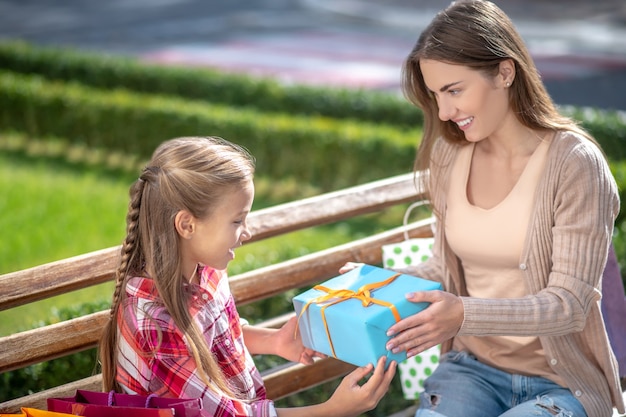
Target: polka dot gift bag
(409,251)
(415,370)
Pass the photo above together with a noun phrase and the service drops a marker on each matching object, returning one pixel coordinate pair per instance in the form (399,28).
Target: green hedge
(326,152)
(109,72)
(608,127)
(268,95)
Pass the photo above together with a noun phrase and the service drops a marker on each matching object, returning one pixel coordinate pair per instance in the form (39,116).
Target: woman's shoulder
(573,147)
(576,157)
(573,140)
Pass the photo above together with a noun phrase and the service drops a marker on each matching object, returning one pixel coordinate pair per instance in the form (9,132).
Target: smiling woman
(521,300)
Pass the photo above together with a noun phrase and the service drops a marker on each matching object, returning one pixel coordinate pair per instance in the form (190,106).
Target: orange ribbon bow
(363,294)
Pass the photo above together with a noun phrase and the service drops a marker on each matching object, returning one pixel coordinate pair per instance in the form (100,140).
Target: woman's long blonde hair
(479,35)
(190,173)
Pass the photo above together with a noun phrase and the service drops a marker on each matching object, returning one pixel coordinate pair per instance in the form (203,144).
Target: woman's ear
(506,72)
(185,224)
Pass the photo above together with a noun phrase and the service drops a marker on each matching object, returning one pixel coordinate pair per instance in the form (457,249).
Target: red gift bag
(102,404)
(34,412)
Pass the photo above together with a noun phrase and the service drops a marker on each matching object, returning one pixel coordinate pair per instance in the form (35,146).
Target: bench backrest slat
(38,400)
(33,284)
(333,206)
(50,342)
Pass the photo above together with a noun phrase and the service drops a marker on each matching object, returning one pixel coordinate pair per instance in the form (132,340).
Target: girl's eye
(454,92)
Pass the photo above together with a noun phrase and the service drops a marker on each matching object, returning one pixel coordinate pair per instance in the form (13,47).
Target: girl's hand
(351,399)
(289,344)
(440,321)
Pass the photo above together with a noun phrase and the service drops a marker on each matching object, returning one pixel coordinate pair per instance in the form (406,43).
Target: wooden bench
(64,338)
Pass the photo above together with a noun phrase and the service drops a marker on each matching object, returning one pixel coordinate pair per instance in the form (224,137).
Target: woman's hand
(349,266)
(440,321)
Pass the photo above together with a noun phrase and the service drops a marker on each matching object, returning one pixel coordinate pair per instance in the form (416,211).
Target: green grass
(52,211)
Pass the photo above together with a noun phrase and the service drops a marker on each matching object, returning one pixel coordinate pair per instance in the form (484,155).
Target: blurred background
(579,45)
(69,146)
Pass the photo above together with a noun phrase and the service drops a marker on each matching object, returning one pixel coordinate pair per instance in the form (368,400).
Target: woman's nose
(446,110)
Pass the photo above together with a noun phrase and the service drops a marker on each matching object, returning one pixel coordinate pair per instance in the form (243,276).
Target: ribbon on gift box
(364,294)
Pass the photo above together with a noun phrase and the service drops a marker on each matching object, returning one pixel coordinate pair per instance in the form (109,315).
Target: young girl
(174,329)
(525,206)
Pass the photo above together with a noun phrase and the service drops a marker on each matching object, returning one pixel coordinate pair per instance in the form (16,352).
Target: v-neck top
(489,243)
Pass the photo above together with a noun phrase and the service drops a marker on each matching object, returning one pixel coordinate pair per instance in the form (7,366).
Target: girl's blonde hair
(479,35)
(189,173)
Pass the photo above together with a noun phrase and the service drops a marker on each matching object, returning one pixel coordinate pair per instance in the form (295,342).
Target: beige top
(489,243)
(564,254)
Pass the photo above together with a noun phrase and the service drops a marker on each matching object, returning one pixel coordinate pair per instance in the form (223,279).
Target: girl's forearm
(259,340)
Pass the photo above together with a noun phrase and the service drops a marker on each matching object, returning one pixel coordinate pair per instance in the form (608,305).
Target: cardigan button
(522,267)
(578,393)
(553,361)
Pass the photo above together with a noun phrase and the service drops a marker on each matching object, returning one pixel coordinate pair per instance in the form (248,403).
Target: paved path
(579,46)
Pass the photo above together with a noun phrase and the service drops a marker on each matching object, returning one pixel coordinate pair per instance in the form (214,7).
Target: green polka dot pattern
(408,252)
(415,370)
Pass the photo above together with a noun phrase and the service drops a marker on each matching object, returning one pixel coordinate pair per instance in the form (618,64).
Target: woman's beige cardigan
(566,248)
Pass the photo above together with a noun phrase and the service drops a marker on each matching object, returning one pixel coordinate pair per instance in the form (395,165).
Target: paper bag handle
(407,213)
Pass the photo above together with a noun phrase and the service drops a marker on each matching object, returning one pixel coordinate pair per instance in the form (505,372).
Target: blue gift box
(347,317)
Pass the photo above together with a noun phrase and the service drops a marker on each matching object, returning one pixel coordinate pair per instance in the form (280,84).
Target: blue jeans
(461,386)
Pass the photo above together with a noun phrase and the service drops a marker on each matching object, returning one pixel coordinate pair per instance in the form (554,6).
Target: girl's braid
(129,253)
(130,257)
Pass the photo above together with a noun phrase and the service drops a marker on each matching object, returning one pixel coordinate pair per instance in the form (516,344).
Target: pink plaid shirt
(153,356)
